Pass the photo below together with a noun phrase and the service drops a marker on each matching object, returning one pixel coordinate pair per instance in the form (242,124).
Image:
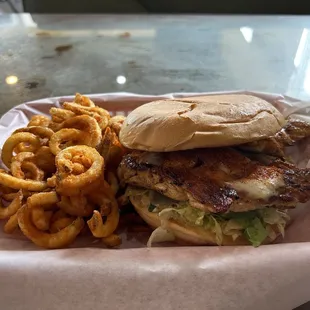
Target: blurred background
(158,6)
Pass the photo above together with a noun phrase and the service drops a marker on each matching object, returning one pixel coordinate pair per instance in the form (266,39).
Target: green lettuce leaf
(255,225)
(256,233)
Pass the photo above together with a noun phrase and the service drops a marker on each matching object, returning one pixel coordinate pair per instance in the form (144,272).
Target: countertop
(55,55)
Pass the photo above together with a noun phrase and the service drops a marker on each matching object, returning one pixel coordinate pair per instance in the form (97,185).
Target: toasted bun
(186,235)
(199,122)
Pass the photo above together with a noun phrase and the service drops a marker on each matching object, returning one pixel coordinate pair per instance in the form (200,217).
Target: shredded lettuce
(254,225)
(256,233)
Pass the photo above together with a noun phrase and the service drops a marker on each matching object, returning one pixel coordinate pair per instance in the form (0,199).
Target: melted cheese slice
(257,188)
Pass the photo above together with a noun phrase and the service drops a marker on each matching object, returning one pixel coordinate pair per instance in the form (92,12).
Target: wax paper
(89,276)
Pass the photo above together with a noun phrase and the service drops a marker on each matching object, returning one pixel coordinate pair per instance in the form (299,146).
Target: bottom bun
(186,235)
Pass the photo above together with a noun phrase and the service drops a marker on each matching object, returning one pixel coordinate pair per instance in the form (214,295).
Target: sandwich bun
(200,122)
(188,235)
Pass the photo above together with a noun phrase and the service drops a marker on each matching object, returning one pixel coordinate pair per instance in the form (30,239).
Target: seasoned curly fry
(95,224)
(50,241)
(11,225)
(112,240)
(9,196)
(6,189)
(51,182)
(72,206)
(65,137)
(78,168)
(58,215)
(60,224)
(14,140)
(31,185)
(100,115)
(106,144)
(116,122)
(39,120)
(88,125)
(6,212)
(42,132)
(40,204)
(82,100)
(36,173)
(41,219)
(45,159)
(113,182)
(68,184)
(16,165)
(58,166)
(42,199)
(59,115)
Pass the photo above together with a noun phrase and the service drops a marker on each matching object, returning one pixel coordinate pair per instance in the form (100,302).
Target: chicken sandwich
(212,170)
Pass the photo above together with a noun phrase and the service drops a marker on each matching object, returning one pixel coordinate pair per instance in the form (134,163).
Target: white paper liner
(135,277)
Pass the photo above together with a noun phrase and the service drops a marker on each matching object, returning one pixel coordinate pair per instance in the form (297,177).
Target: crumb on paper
(125,34)
(63,48)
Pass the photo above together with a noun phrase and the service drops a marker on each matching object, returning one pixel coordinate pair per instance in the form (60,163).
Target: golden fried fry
(5,189)
(58,215)
(6,212)
(51,182)
(112,241)
(31,185)
(41,219)
(36,173)
(68,184)
(64,138)
(44,199)
(76,206)
(50,241)
(16,165)
(41,132)
(14,140)
(41,204)
(82,100)
(60,115)
(45,160)
(55,125)
(113,182)
(89,126)
(11,225)
(39,120)
(60,224)
(116,122)
(100,115)
(106,144)
(9,196)
(95,224)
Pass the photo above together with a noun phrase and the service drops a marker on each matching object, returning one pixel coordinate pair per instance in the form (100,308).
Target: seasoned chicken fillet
(218,179)
(292,132)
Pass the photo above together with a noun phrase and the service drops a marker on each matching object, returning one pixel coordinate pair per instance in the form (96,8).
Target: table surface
(55,55)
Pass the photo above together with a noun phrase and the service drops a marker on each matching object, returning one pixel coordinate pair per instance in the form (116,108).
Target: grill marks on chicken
(217,179)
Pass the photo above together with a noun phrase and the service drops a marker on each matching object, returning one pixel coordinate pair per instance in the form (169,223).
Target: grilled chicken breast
(218,179)
(292,132)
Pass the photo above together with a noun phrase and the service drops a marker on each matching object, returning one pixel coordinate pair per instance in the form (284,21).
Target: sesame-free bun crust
(200,122)
(187,235)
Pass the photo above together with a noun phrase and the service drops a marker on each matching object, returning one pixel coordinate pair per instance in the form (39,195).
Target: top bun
(200,122)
